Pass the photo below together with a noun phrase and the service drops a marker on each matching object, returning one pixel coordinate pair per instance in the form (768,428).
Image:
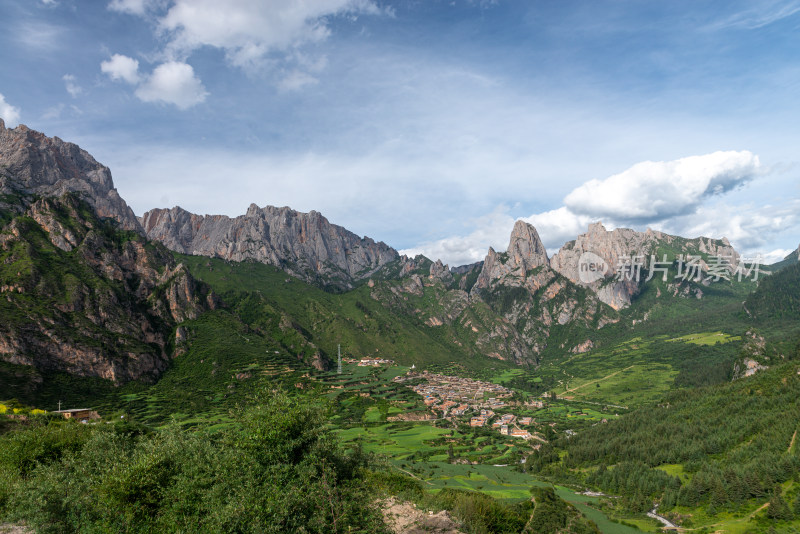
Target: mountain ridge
(618,245)
(33,164)
(303,244)
(506,307)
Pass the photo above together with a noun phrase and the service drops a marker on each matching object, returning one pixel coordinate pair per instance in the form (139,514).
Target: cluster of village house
(454,396)
(369,362)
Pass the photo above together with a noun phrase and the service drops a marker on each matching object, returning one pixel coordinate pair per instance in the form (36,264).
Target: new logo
(591,267)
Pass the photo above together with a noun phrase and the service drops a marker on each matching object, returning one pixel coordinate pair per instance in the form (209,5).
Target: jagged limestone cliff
(81,289)
(616,246)
(303,244)
(34,165)
(506,307)
(81,296)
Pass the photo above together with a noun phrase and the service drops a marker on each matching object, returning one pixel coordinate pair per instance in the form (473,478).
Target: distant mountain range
(88,288)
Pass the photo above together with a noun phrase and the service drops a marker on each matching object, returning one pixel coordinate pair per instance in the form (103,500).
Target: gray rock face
(32,163)
(525,252)
(531,299)
(106,310)
(618,245)
(465,269)
(304,244)
(441,272)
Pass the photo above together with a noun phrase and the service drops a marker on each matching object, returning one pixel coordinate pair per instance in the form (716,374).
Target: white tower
(339,368)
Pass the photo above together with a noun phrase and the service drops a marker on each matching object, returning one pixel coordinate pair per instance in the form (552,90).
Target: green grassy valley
(687,403)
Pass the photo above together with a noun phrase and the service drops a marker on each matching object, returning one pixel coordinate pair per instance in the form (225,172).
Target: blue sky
(429,125)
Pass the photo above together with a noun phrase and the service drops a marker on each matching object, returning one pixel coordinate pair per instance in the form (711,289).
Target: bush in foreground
(278,470)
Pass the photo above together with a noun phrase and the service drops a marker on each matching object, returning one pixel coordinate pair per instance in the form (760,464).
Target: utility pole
(339,367)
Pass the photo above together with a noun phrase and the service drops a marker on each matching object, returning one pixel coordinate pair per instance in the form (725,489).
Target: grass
(284,307)
(674,470)
(602,521)
(394,439)
(506,375)
(707,338)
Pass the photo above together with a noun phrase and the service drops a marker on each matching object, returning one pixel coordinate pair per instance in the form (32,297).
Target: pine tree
(778,509)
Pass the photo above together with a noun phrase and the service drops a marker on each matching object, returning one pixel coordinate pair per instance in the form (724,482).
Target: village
(454,396)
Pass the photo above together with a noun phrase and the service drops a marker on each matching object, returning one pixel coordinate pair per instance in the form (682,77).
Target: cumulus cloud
(655,190)
(72,86)
(121,67)
(558,226)
(247,30)
(173,83)
(681,197)
(253,34)
(673,196)
(8,113)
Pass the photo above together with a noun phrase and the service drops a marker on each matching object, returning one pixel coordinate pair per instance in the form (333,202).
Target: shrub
(278,470)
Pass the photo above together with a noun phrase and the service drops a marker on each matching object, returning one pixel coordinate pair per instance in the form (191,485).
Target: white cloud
(173,83)
(249,29)
(492,230)
(760,14)
(671,194)
(653,191)
(253,34)
(132,7)
(750,229)
(556,227)
(774,256)
(121,67)
(256,35)
(8,113)
(39,37)
(296,80)
(72,85)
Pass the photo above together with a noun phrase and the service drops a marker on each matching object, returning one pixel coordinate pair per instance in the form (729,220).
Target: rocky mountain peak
(525,252)
(617,246)
(304,244)
(252,210)
(92,301)
(33,164)
(525,249)
(596,229)
(441,272)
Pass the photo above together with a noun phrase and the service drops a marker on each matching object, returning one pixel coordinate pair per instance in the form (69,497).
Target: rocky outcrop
(525,253)
(611,251)
(468,275)
(467,269)
(303,244)
(441,272)
(32,164)
(79,296)
(405,518)
(510,311)
(580,348)
(529,295)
